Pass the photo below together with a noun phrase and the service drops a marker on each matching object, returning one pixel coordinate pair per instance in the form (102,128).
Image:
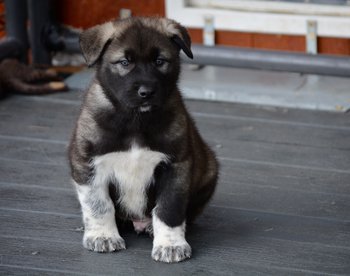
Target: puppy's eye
(159,61)
(124,62)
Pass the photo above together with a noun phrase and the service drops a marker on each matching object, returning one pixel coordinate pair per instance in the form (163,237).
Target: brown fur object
(19,78)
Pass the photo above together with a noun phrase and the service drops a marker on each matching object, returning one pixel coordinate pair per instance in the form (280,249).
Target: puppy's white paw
(171,253)
(169,243)
(104,243)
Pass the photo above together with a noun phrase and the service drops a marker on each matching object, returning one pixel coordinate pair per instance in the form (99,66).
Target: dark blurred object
(17,13)
(11,47)
(43,36)
(59,38)
(40,15)
(19,78)
(16,30)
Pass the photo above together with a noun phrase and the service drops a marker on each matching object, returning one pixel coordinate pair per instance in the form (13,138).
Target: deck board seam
(48,269)
(285,269)
(61,164)
(33,139)
(64,215)
(215,247)
(287,189)
(210,205)
(65,142)
(280,214)
(268,163)
(270,121)
(67,189)
(31,186)
(235,160)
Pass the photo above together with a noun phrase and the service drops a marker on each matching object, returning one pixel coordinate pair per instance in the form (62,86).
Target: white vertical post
(209,31)
(311,37)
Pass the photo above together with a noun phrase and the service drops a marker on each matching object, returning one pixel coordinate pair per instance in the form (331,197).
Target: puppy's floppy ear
(177,33)
(182,39)
(184,42)
(93,40)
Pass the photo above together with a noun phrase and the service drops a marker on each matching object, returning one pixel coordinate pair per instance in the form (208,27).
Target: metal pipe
(270,60)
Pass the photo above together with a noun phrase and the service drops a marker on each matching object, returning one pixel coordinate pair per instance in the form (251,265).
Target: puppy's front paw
(171,253)
(104,244)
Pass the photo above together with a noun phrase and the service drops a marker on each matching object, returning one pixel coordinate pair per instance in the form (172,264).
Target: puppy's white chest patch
(132,171)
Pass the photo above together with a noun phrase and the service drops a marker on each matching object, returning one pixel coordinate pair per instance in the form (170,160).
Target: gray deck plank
(20,270)
(226,110)
(39,174)
(211,255)
(239,223)
(245,139)
(27,198)
(38,122)
(283,177)
(32,127)
(32,152)
(270,114)
(282,154)
(231,174)
(228,195)
(238,189)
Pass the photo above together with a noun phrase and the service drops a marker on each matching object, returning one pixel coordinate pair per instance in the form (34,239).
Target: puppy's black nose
(145,92)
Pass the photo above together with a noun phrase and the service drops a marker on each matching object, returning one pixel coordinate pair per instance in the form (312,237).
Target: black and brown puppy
(136,153)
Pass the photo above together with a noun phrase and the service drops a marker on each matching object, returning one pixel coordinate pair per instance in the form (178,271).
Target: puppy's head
(137,59)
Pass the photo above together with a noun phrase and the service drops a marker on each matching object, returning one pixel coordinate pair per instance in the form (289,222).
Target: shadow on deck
(282,205)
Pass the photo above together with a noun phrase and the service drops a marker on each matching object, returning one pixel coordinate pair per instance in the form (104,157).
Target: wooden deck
(282,206)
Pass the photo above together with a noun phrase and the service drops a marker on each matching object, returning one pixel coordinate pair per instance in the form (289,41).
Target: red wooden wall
(86,13)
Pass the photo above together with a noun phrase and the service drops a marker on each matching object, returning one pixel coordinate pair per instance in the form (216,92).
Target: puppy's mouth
(146,107)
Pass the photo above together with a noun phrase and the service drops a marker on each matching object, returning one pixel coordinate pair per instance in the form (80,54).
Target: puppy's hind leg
(101,233)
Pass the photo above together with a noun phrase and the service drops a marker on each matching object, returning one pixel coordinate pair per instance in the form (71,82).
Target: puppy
(135,153)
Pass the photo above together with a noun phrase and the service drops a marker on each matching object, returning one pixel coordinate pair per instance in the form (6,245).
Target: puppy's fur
(135,153)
